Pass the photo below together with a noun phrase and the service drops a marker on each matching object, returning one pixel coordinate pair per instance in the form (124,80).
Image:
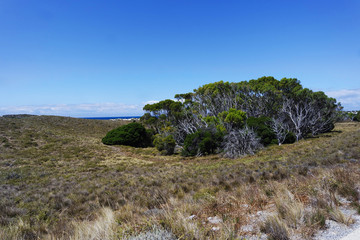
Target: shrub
(133,134)
(151,133)
(290,138)
(165,144)
(201,143)
(241,142)
(262,129)
(357,116)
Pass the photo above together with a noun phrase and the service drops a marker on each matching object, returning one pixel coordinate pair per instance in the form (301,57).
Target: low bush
(290,138)
(165,144)
(201,143)
(241,142)
(262,129)
(133,134)
(357,116)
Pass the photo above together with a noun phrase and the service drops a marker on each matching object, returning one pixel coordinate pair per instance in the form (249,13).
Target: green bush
(290,138)
(262,129)
(166,145)
(133,134)
(201,143)
(151,133)
(357,117)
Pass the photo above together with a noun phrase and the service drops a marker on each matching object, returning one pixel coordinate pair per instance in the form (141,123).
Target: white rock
(247,228)
(214,220)
(192,217)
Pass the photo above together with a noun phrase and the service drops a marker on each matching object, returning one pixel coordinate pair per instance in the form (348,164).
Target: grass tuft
(338,216)
(275,228)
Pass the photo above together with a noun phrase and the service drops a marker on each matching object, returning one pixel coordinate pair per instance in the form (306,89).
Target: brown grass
(55,172)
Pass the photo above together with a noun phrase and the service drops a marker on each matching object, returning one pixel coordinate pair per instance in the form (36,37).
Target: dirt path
(355,235)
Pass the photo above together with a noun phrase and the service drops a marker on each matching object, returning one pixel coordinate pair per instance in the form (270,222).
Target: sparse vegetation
(66,182)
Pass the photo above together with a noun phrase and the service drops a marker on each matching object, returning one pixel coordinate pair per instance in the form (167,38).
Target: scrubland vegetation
(237,119)
(58,181)
(192,174)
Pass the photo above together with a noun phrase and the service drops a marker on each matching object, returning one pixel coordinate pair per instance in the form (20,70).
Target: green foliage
(236,118)
(357,117)
(289,86)
(151,133)
(201,143)
(133,134)
(211,120)
(162,114)
(166,107)
(225,106)
(148,120)
(166,145)
(262,129)
(213,88)
(290,138)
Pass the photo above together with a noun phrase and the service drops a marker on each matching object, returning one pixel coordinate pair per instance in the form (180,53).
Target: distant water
(109,118)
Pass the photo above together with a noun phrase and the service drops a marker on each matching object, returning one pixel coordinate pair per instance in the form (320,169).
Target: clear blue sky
(108,58)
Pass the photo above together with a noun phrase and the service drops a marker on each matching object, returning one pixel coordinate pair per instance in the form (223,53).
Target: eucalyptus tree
(277,108)
(280,127)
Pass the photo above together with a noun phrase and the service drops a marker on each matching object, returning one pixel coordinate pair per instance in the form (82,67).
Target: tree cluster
(239,118)
(350,116)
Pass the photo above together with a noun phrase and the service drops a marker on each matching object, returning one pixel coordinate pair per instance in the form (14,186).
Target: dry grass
(338,216)
(55,172)
(176,219)
(289,208)
(102,228)
(275,228)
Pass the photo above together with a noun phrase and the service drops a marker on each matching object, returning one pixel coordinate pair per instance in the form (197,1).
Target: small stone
(192,217)
(215,228)
(214,220)
(154,211)
(247,228)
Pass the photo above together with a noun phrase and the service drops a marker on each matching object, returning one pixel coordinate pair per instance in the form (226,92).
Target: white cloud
(349,98)
(156,101)
(76,110)
(151,102)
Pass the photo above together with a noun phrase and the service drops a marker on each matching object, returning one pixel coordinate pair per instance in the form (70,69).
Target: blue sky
(109,58)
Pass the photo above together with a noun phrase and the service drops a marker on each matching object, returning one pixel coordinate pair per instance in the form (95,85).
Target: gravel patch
(155,234)
(336,231)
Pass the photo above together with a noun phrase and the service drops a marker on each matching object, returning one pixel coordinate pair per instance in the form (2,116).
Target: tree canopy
(268,109)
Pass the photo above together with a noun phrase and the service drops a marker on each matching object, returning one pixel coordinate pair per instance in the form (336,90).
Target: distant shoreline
(112,118)
(94,118)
